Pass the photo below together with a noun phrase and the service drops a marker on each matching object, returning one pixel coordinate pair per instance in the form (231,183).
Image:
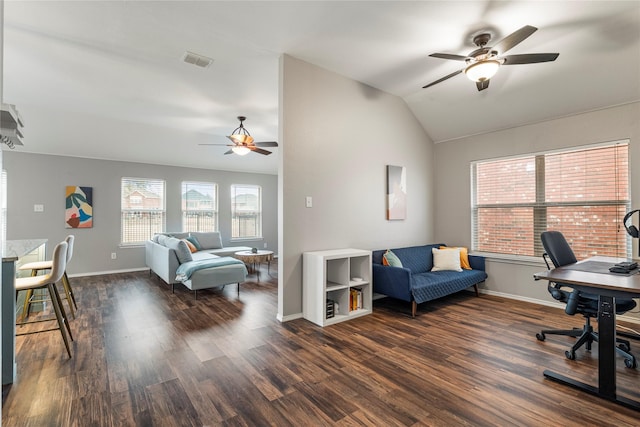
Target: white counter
(12,250)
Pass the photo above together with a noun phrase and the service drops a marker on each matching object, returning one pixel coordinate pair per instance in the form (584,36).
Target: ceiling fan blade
(514,38)
(266,144)
(220,145)
(260,151)
(482,85)
(449,56)
(455,73)
(229,152)
(529,58)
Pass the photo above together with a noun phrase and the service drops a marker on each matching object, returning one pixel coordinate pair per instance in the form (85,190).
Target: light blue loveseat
(414,282)
(163,256)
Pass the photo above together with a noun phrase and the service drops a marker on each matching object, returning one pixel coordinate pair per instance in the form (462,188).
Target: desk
(608,287)
(12,250)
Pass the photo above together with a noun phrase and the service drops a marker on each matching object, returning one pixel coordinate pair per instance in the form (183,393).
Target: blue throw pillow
(195,242)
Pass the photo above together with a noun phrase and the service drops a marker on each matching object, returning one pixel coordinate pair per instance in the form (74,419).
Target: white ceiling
(106,79)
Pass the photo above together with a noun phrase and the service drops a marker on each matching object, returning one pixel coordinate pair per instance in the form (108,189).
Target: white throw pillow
(446,259)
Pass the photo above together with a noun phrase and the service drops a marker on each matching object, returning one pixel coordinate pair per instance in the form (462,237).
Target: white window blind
(142,208)
(199,206)
(583,193)
(246,211)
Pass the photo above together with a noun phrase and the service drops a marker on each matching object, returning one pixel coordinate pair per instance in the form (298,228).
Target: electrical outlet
(265,245)
(114,255)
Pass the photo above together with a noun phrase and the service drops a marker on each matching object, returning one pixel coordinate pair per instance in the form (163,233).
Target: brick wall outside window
(584,193)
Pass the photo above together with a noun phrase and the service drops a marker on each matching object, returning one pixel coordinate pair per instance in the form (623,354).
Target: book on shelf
(330,309)
(355,299)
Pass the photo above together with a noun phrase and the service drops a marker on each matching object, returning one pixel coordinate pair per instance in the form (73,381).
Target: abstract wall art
(79,207)
(396,192)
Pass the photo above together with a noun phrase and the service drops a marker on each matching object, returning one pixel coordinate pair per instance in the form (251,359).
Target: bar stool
(38,266)
(48,282)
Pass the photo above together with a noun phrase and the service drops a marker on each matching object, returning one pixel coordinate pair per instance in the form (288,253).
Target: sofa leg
(173,288)
(238,289)
(476,288)
(414,308)
(195,295)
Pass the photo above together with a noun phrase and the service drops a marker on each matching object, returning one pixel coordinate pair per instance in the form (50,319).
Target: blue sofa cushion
(436,284)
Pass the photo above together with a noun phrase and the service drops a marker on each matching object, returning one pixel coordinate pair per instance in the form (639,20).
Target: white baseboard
(623,317)
(99,273)
(288,317)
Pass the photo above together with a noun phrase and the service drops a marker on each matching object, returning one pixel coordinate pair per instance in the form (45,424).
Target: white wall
(453,188)
(337,136)
(41,179)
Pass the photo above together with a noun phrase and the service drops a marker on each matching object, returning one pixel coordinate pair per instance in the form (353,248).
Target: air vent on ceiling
(197,60)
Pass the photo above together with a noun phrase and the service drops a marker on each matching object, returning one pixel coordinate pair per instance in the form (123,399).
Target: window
(583,193)
(246,211)
(199,206)
(142,208)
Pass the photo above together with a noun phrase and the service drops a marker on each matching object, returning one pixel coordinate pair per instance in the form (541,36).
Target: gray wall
(41,179)
(453,192)
(337,137)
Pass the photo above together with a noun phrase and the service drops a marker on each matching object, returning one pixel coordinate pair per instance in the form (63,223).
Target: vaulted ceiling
(106,79)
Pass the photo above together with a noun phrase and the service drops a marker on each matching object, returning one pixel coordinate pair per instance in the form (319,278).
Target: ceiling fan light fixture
(241,150)
(240,135)
(482,71)
(240,138)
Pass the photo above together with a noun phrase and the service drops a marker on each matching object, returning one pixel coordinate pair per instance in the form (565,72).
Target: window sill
(512,259)
(246,239)
(131,245)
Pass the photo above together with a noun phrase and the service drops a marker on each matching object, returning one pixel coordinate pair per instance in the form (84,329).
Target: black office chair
(560,253)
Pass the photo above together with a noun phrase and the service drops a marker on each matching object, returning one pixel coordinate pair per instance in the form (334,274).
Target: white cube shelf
(339,275)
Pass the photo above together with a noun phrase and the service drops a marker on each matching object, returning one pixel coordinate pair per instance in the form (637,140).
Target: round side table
(253,258)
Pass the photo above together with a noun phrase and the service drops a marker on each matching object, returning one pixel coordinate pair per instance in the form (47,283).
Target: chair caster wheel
(630,363)
(571,355)
(540,337)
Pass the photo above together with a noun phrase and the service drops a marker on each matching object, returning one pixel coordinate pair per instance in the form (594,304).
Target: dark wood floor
(143,356)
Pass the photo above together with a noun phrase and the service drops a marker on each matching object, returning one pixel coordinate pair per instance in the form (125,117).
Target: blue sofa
(414,282)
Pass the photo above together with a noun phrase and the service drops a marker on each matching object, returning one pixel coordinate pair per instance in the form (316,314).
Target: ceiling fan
(243,142)
(483,63)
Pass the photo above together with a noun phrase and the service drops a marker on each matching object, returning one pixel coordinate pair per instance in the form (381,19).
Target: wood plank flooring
(143,356)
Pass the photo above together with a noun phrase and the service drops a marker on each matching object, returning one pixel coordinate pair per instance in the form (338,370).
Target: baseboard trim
(288,317)
(100,273)
(623,317)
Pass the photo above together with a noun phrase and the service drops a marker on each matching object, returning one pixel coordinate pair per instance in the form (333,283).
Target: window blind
(199,206)
(142,209)
(583,193)
(246,211)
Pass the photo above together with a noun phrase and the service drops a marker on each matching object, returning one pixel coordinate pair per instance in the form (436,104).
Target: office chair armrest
(572,303)
(545,257)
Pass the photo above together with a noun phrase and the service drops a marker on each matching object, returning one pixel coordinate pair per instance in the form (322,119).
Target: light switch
(309,202)
(38,208)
